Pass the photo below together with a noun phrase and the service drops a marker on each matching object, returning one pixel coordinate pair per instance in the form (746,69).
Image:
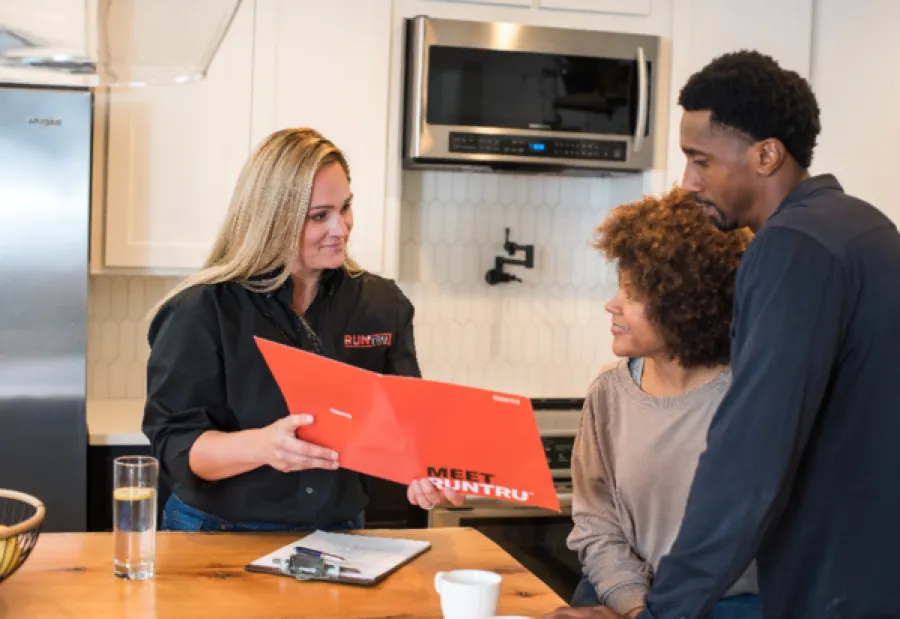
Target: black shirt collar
(285,293)
(808,187)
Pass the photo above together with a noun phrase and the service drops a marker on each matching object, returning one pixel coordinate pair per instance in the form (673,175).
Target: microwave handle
(417,74)
(643,101)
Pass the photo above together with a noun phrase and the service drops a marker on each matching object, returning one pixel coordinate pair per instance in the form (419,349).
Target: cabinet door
(859,95)
(704,29)
(325,65)
(504,2)
(630,7)
(173,155)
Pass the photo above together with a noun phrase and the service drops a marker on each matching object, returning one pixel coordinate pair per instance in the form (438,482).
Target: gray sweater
(632,467)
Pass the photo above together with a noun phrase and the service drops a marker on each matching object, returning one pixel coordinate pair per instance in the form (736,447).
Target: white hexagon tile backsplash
(117,346)
(547,336)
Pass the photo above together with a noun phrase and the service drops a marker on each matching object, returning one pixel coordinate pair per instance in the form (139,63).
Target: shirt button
(309,490)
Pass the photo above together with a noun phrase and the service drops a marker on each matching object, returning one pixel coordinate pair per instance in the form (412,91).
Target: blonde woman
(279,269)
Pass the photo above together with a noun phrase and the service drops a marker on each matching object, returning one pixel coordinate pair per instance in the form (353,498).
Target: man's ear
(769,156)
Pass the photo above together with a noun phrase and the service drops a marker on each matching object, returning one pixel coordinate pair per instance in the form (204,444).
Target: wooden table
(201,575)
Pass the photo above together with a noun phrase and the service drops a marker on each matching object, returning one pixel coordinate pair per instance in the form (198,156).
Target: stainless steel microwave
(515,97)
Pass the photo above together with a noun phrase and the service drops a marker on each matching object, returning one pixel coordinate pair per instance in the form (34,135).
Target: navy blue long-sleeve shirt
(802,469)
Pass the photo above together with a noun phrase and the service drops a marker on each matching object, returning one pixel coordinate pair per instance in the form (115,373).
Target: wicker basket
(21,516)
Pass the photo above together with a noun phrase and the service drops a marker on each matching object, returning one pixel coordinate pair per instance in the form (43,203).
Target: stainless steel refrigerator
(45,187)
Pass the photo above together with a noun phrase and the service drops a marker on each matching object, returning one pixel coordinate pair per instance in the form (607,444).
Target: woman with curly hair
(645,419)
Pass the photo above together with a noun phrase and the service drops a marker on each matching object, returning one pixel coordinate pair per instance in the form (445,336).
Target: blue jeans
(179,516)
(735,607)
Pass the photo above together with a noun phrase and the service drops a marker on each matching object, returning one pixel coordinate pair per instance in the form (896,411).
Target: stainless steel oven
(518,97)
(535,537)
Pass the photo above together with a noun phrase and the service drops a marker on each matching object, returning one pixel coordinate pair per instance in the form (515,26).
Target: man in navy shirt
(802,469)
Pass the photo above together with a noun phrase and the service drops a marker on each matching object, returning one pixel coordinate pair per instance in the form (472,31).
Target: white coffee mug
(468,594)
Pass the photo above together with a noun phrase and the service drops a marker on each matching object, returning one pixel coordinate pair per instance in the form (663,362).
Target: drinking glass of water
(134,516)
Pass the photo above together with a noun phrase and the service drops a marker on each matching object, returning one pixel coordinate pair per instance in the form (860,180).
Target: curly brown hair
(682,268)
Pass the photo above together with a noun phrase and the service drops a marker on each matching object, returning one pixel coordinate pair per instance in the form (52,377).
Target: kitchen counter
(118,422)
(69,576)
(115,422)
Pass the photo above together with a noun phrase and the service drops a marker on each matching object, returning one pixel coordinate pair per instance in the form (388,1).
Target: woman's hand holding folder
(283,451)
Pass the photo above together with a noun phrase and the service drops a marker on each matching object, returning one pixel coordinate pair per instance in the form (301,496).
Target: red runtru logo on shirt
(367,341)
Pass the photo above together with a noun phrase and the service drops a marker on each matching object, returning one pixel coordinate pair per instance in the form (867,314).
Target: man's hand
(597,612)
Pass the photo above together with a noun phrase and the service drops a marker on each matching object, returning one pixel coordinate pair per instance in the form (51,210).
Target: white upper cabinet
(704,29)
(172,158)
(857,86)
(325,65)
(502,2)
(630,7)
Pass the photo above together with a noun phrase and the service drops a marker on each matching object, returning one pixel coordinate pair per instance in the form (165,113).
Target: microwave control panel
(528,146)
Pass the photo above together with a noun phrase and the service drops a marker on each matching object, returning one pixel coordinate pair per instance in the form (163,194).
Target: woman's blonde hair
(262,230)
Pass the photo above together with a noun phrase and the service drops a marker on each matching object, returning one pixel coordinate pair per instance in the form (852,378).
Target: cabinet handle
(418,75)
(643,101)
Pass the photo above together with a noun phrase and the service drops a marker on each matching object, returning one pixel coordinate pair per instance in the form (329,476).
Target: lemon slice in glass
(131,493)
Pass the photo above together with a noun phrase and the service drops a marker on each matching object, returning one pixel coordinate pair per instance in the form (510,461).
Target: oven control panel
(558,450)
(530,146)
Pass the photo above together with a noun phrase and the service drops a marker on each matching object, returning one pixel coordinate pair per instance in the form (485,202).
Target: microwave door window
(524,90)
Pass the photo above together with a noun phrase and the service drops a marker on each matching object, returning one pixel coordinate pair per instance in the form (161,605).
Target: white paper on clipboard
(374,557)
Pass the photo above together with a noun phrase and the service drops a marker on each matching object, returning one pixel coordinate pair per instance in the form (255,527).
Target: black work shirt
(803,458)
(205,372)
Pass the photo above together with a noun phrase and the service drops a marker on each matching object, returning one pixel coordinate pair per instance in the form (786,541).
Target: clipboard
(365,560)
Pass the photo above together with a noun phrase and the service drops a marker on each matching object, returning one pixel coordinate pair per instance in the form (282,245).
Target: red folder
(475,441)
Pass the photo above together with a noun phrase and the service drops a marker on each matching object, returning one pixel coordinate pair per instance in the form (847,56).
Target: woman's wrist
(218,455)
(253,447)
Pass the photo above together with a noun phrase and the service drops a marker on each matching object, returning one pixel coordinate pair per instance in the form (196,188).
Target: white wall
(704,29)
(856,78)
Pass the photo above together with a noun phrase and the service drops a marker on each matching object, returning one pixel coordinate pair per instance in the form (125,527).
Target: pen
(317,553)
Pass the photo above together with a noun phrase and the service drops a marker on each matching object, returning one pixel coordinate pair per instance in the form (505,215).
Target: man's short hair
(750,92)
